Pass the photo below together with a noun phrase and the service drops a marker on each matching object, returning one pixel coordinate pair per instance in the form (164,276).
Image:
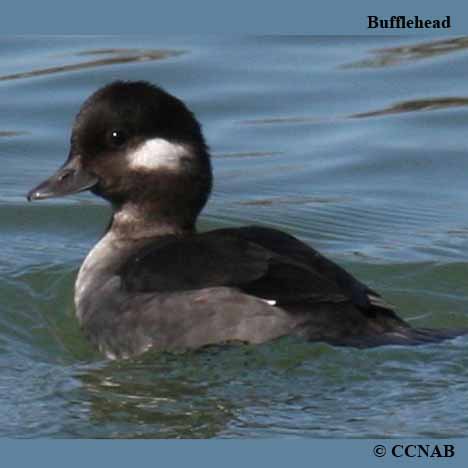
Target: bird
(153,282)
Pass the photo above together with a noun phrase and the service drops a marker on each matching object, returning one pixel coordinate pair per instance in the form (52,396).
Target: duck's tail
(396,331)
(407,336)
(343,324)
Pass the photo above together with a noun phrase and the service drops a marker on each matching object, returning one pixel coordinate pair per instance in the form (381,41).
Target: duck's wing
(259,261)
(289,247)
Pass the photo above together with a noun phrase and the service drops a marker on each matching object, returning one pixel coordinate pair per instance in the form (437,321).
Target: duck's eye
(117,138)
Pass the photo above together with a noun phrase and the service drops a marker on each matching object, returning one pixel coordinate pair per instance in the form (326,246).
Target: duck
(153,282)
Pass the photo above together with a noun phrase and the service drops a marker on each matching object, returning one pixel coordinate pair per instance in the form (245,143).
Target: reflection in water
(164,396)
(415,105)
(410,53)
(115,56)
(200,394)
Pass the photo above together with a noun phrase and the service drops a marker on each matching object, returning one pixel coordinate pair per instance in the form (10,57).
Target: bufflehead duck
(153,282)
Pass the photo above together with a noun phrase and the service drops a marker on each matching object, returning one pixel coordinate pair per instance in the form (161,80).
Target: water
(356,145)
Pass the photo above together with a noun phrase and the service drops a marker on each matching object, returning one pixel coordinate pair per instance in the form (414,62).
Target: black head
(132,142)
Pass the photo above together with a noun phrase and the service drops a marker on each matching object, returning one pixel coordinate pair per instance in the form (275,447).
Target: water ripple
(415,105)
(393,56)
(115,56)
(12,133)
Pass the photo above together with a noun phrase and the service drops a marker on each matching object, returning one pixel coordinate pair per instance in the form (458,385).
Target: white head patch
(157,154)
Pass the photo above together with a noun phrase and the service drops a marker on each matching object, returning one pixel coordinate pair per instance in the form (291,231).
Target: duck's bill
(70,178)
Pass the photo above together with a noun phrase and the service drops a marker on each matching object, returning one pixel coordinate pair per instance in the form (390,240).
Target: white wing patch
(379,302)
(157,154)
(270,302)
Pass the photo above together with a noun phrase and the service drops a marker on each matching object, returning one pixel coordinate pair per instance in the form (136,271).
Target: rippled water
(357,145)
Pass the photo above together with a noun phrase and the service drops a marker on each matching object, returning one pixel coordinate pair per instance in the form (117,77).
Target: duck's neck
(132,227)
(132,221)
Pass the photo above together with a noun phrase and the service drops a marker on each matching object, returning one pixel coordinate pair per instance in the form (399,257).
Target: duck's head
(140,148)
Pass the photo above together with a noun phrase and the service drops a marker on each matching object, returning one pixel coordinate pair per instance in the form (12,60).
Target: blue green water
(359,146)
